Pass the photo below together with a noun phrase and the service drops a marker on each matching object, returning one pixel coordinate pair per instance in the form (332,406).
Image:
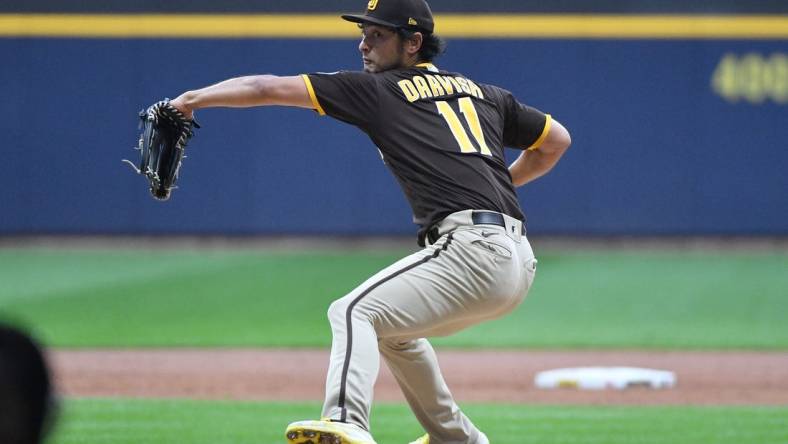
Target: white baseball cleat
(326,432)
(423,440)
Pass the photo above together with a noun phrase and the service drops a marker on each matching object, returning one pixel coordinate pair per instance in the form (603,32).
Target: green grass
(120,421)
(225,298)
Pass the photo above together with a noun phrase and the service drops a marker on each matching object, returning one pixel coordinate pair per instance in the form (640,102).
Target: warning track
(704,378)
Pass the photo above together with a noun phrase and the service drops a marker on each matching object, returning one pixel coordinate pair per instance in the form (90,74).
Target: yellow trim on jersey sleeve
(312,95)
(547,124)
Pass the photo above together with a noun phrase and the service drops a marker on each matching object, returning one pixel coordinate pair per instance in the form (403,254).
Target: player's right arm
(248,91)
(537,161)
(543,139)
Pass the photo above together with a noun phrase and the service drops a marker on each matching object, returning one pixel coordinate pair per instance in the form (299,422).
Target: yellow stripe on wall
(162,25)
(549,26)
(616,26)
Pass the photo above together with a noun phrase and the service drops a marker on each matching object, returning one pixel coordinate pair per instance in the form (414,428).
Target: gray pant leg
(415,367)
(355,359)
(470,276)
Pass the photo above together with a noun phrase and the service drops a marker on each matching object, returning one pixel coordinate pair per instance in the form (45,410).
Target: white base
(601,378)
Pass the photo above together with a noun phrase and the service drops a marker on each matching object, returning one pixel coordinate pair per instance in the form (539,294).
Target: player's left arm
(248,91)
(536,161)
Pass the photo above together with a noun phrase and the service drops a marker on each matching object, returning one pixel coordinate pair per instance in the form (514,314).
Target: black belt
(478,218)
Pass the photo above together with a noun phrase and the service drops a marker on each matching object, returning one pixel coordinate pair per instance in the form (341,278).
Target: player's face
(381,48)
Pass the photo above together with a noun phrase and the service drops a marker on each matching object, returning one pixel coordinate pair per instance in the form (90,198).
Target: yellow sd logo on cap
(372,5)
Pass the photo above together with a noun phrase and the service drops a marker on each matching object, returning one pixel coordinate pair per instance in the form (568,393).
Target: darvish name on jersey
(435,85)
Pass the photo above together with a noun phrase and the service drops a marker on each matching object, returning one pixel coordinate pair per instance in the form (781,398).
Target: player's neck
(412,61)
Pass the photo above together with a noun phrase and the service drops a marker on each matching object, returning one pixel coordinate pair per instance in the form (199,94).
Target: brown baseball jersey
(441,134)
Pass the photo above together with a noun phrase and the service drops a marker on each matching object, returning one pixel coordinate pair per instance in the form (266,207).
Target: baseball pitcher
(442,135)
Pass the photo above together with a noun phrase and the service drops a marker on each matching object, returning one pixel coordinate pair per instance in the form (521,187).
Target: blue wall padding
(655,151)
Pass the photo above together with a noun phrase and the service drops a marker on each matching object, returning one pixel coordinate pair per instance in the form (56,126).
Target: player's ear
(413,43)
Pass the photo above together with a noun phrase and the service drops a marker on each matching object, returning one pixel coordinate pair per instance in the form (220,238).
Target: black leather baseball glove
(162,144)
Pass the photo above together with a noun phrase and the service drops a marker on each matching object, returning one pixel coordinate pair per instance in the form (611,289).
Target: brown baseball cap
(413,15)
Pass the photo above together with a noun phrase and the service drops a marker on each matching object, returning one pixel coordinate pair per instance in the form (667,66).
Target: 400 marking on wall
(752,77)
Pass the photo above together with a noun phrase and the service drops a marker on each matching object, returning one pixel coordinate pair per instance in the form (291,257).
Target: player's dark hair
(26,400)
(431,46)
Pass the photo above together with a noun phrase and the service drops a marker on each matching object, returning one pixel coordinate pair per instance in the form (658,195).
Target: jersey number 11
(472,118)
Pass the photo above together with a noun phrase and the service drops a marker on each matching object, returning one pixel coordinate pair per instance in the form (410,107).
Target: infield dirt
(704,378)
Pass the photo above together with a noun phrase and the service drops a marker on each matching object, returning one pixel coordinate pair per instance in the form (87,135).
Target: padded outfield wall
(680,126)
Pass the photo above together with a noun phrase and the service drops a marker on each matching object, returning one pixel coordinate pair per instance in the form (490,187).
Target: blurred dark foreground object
(27,406)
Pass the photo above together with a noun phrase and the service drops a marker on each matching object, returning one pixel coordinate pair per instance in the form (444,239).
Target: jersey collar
(428,66)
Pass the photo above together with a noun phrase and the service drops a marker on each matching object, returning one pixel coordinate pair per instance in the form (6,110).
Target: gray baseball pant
(472,273)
